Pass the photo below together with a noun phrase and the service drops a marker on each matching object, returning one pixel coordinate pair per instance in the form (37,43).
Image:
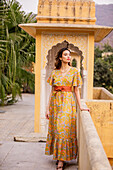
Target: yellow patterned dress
(62,130)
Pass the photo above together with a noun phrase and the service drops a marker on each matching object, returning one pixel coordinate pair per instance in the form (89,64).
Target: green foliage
(103,68)
(74,63)
(17,52)
(107,48)
(97,53)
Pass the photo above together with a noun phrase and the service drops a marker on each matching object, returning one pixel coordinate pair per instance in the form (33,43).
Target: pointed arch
(52,53)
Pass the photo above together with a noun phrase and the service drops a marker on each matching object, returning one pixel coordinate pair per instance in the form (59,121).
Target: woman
(61,110)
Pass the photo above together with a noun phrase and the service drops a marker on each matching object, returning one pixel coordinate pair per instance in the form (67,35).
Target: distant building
(105,54)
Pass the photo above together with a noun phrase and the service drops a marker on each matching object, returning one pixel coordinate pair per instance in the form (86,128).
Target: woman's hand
(76,90)
(85,109)
(47,114)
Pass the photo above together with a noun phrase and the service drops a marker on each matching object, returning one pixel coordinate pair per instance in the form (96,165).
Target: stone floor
(15,120)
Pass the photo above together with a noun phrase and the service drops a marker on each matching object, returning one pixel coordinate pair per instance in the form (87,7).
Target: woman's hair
(58,62)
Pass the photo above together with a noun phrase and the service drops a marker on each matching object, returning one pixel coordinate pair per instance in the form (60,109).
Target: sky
(31,5)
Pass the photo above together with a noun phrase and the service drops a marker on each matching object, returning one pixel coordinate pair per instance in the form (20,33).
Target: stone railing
(100,93)
(91,153)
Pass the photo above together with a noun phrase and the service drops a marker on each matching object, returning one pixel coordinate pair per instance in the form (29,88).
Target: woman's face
(66,57)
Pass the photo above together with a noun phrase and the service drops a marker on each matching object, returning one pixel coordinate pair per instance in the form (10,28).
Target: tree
(107,48)
(103,69)
(17,52)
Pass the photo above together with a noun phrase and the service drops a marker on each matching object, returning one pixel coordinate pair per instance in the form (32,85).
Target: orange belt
(62,88)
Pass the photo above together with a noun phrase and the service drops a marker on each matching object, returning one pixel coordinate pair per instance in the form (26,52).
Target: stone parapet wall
(101,112)
(101,93)
(91,153)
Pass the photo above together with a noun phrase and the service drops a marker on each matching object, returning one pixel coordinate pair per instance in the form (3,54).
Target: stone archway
(75,53)
(54,50)
(46,88)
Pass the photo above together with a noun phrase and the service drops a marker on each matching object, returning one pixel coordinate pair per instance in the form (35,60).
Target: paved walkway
(19,119)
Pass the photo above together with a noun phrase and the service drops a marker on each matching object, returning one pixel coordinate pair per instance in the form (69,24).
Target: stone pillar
(43,101)
(84,86)
(37,83)
(90,66)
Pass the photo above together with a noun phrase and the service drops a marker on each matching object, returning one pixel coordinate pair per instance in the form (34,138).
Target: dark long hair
(58,62)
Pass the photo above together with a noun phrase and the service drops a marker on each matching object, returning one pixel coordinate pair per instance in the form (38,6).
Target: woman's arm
(47,107)
(77,94)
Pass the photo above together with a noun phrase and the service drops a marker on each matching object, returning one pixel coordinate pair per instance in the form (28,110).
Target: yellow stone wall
(102,116)
(66,11)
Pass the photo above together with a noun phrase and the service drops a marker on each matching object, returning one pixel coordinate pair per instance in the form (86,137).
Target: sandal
(61,166)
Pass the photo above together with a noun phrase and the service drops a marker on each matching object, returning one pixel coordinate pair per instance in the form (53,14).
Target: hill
(104,15)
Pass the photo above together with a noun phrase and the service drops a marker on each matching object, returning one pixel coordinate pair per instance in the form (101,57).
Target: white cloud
(103,1)
(29,6)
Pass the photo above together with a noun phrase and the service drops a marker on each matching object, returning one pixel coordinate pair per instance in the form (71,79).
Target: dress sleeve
(50,79)
(77,80)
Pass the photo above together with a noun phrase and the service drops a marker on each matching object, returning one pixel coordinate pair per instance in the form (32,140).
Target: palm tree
(17,52)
